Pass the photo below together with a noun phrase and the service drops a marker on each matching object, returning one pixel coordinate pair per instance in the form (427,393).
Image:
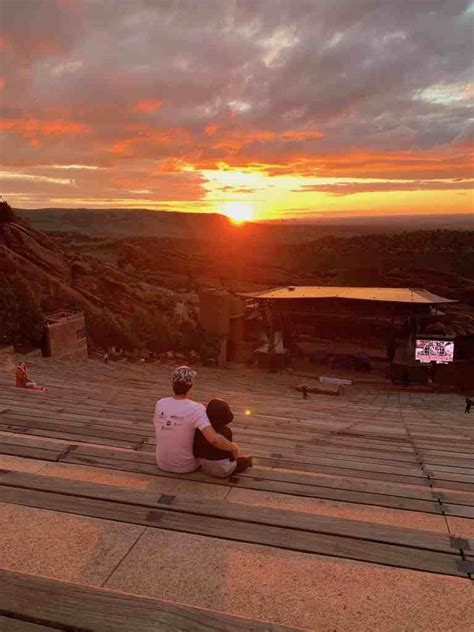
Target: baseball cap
(183,375)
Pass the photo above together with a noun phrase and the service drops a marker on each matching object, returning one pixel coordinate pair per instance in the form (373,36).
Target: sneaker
(243,462)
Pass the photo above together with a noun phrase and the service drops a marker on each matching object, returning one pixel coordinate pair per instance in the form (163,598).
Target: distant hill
(148,223)
(132,263)
(121,223)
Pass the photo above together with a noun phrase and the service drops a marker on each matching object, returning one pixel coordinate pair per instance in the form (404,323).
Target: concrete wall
(66,338)
(222,314)
(215,311)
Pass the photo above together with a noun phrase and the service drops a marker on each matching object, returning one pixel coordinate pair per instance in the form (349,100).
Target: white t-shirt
(175,422)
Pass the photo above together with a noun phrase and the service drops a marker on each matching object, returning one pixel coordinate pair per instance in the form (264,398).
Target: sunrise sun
(238,212)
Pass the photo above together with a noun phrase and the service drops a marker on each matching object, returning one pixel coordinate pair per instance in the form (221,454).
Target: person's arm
(220,442)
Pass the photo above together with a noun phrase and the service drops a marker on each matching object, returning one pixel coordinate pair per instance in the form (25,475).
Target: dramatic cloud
(155,97)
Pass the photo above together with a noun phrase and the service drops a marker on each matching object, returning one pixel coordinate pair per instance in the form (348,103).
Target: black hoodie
(219,414)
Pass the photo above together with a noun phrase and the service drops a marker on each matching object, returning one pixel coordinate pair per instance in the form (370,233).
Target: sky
(259,109)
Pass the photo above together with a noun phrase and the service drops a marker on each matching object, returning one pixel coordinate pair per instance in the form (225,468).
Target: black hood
(219,413)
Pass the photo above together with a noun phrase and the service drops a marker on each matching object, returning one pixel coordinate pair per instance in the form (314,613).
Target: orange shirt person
(22,379)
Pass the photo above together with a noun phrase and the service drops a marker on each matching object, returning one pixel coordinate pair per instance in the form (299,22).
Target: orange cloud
(171,165)
(302,135)
(235,139)
(30,127)
(122,146)
(449,162)
(2,82)
(144,135)
(130,183)
(147,106)
(351,188)
(211,129)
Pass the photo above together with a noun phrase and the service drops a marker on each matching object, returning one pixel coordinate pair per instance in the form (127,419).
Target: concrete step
(253,581)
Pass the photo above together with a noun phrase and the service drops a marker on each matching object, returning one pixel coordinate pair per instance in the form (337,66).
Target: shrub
(192,337)
(8,313)
(107,330)
(21,317)
(155,331)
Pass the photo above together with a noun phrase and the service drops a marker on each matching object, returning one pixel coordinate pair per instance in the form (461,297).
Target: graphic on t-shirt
(171,422)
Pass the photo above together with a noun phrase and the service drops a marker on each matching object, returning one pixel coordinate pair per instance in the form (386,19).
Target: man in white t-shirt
(176,419)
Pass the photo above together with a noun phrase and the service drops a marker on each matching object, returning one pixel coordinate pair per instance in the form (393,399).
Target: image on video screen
(440,351)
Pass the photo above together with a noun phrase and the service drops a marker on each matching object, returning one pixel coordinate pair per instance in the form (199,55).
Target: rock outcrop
(61,277)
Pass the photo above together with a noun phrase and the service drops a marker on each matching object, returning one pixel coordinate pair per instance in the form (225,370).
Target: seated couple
(189,436)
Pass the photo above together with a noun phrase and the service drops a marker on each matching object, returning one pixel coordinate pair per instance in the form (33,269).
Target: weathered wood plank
(67,437)
(449,469)
(267,485)
(365,485)
(455,498)
(440,482)
(7,624)
(316,543)
(460,511)
(30,422)
(307,465)
(235,511)
(28,452)
(68,606)
(451,476)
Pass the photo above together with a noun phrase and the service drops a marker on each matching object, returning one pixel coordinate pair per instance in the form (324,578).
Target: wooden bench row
(323,487)
(136,432)
(405,548)
(457,478)
(37,604)
(128,414)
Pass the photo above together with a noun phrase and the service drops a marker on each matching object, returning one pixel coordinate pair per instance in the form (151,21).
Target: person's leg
(218,469)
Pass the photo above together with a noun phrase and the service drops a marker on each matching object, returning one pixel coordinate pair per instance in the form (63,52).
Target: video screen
(440,351)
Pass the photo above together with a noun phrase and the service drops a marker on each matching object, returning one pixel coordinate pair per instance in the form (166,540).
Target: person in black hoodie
(213,461)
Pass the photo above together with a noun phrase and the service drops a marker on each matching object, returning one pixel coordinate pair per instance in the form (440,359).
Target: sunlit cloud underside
(246,110)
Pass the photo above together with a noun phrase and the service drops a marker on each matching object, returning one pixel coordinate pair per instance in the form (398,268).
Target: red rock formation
(60,276)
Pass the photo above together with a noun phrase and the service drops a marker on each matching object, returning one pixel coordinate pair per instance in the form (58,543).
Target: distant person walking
(469,403)
(176,418)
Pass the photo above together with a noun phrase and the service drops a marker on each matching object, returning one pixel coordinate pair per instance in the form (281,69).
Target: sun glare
(238,212)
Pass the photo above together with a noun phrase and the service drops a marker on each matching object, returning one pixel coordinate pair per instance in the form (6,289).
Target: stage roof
(384,294)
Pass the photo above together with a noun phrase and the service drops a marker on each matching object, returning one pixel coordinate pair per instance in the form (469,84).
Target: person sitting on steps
(24,381)
(176,418)
(213,461)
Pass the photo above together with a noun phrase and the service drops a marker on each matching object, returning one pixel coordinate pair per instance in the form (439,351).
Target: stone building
(65,335)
